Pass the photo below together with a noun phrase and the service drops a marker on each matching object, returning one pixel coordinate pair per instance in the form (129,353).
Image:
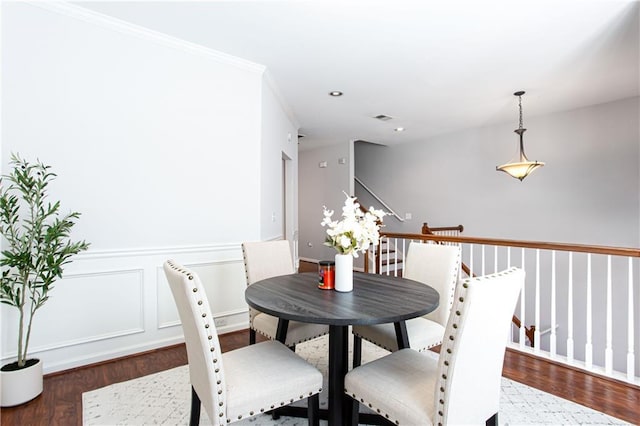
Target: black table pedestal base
(365,418)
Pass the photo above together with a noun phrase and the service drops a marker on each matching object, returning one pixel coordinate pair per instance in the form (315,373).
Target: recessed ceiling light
(335,93)
(399,129)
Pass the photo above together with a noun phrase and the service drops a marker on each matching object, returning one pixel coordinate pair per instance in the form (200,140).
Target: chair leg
(313,410)
(493,420)
(194,420)
(252,336)
(354,419)
(357,351)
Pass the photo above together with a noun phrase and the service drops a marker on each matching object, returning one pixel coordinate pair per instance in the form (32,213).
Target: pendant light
(523,167)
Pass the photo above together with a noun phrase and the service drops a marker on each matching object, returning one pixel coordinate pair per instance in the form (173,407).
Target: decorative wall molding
(124,27)
(156,251)
(145,322)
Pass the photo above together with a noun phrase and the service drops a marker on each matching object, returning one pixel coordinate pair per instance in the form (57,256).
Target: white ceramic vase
(344,272)
(20,386)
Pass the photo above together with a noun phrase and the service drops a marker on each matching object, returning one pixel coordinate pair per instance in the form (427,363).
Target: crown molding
(124,27)
(268,79)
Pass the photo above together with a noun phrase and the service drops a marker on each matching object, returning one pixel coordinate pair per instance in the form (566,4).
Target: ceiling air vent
(382,117)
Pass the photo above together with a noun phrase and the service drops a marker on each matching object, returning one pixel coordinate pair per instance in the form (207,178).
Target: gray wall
(321,187)
(589,191)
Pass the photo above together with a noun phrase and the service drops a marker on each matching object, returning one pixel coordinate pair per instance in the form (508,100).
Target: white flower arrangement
(356,231)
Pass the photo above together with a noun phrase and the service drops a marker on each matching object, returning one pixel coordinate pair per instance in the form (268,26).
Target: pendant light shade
(522,167)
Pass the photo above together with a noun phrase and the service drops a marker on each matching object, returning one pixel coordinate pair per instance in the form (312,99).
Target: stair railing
(570,288)
(388,209)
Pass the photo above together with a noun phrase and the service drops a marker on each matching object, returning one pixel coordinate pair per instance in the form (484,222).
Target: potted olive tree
(35,247)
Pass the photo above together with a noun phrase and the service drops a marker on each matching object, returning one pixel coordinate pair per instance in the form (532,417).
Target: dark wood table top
(375,299)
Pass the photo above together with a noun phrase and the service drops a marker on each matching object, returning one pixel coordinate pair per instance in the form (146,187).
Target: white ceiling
(435,66)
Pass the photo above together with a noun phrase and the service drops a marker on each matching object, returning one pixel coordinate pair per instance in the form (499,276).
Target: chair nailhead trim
(195,290)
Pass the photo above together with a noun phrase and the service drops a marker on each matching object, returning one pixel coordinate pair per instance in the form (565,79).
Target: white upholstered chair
(266,259)
(241,383)
(435,265)
(462,385)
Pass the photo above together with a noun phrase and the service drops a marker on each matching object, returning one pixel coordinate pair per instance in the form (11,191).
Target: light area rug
(164,399)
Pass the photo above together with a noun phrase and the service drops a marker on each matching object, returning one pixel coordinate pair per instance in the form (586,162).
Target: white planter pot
(20,386)
(344,272)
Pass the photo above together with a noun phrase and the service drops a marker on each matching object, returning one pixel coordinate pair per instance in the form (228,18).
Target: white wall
(322,187)
(279,141)
(157,142)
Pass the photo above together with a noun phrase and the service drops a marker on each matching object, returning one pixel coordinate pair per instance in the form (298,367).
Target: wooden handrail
(580,248)
(426,229)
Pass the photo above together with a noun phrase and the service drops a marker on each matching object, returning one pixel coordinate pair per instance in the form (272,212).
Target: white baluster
(471,260)
(380,271)
(570,342)
(395,257)
(495,259)
(404,252)
(522,336)
(483,260)
(630,327)
(588,347)
(552,342)
(536,333)
(608,351)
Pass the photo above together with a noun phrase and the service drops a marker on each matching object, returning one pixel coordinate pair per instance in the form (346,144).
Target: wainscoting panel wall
(116,303)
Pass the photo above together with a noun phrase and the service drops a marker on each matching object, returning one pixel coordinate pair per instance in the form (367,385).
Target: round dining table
(375,299)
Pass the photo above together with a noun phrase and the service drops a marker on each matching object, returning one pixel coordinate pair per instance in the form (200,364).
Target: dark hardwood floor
(61,401)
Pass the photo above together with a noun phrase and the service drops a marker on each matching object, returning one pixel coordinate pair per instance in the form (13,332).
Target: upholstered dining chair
(433,264)
(266,259)
(241,383)
(462,385)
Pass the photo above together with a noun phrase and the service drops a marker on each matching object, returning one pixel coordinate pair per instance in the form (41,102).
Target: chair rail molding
(114,303)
